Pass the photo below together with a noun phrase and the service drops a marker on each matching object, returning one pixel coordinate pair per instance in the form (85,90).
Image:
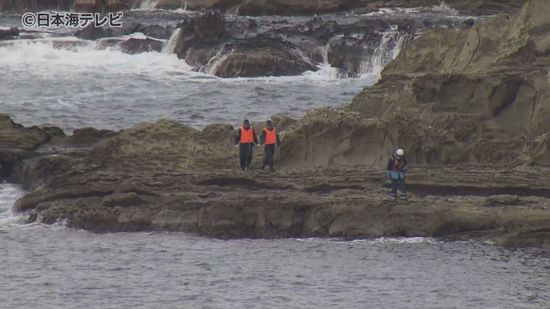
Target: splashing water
(148,4)
(389,48)
(170,47)
(325,69)
(9,193)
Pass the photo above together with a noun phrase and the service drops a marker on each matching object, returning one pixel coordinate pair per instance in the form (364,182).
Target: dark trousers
(245,154)
(398,184)
(269,155)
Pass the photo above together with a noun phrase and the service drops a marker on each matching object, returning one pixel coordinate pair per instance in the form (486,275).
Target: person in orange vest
(269,138)
(246,139)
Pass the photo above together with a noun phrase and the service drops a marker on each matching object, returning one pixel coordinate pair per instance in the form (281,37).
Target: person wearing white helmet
(396,171)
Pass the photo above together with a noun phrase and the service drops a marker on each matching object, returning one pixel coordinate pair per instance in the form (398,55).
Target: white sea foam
(441,9)
(389,48)
(381,240)
(9,194)
(170,47)
(148,4)
(41,57)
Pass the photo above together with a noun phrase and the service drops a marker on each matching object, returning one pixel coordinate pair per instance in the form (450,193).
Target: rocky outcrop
(166,176)
(478,96)
(94,33)
(140,45)
(9,33)
(101,5)
(469,106)
(88,5)
(231,46)
(263,7)
(28,5)
(17,143)
(260,56)
(237,46)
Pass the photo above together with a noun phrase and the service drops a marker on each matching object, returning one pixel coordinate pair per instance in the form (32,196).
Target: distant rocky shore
(260,7)
(239,46)
(471,107)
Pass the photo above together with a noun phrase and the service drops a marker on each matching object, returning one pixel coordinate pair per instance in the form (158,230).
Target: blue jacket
(396,174)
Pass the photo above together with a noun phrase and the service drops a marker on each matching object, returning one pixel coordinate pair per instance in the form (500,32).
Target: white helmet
(400,152)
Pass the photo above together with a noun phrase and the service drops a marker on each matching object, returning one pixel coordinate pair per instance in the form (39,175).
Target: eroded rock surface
(165,176)
(469,106)
(476,96)
(263,7)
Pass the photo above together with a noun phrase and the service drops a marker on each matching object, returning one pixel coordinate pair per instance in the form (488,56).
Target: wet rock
(9,33)
(200,38)
(204,41)
(53,131)
(16,138)
(172,4)
(116,5)
(257,8)
(30,5)
(210,44)
(470,22)
(135,45)
(38,170)
(101,5)
(93,33)
(311,7)
(348,54)
(261,57)
(156,31)
(16,144)
(88,5)
(88,136)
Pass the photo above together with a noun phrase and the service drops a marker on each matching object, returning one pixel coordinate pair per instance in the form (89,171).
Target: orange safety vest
(270,136)
(247,136)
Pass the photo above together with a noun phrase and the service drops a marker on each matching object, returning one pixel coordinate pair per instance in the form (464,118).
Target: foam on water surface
(9,194)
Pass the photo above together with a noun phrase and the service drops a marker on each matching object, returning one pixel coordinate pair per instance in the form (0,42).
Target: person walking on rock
(269,138)
(246,139)
(396,171)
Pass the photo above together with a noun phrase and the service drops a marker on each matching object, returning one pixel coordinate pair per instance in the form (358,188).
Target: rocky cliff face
(262,7)
(165,176)
(469,106)
(480,95)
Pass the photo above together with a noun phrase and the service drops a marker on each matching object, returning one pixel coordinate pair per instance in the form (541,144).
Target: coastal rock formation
(138,45)
(9,33)
(17,143)
(101,5)
(239,46)
(263,7)
(88,5)
(31,5)
(470,106)
(166,176)
(261,57)
(478,95)
(231,46)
